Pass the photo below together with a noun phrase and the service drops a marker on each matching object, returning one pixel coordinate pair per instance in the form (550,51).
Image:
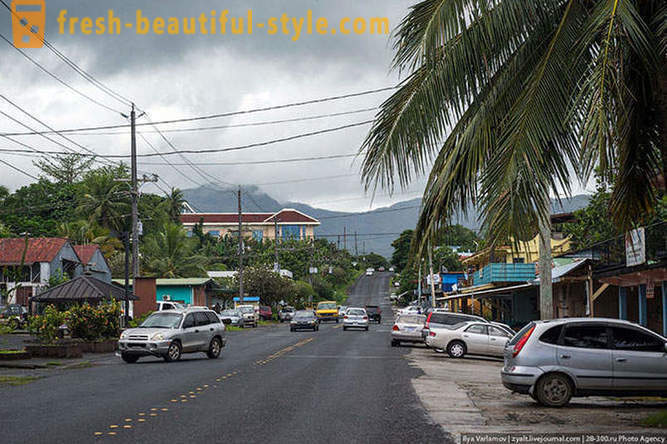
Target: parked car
(381,269)
(374,313)
(369,271)
(355,318)
(327,311)
(265,312)
(341,310)
(412,309)
(407,328)
(286,313)
(392,269)
(553,361)
(474,338)
(250,316)
(439,318)
(231,317)
(168,305)
(169,333)
(304,319)
(14,315)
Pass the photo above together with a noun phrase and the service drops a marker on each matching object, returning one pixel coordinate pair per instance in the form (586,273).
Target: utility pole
(419,281)
(135,196)
(240,251)
(276,265)
(430,270)
(126,245)
(338,242)
(356,250)
(364,244)
(345,237)
(546,294)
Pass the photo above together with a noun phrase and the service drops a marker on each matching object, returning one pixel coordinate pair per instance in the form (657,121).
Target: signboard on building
(635,247)
(435,277)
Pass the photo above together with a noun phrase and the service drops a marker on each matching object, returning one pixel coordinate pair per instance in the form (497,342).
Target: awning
(489,292)
(247,299)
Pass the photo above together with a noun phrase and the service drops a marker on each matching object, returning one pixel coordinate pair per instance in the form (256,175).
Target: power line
(18,169)
(58,79)
(305,180)
(370,213)
(219,115)
(238,125)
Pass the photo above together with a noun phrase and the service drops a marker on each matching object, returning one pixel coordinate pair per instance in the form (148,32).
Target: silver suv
(169,333)
(553,361)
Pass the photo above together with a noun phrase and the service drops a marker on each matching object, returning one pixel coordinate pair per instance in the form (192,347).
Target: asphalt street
(270,385)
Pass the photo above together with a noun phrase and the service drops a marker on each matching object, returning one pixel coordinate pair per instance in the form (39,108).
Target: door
(585,354)
(203,334)
(639,360)
(497,340)
(189,333)
(476,338)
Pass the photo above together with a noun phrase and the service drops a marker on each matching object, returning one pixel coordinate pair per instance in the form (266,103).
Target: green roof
(179,282)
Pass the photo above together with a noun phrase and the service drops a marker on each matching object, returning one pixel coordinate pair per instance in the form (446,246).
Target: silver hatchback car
(553,361)
(170,333)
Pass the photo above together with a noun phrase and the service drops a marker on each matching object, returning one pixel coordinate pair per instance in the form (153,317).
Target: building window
(291,232)
(258,235)
(188,233)
(517,260)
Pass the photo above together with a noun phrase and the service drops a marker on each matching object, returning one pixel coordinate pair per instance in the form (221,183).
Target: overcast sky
(183,76)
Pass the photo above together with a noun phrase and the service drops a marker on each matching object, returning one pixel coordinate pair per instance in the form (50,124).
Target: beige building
(285,224)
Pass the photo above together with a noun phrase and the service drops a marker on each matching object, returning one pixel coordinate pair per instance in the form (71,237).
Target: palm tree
(508,101)
(105,201)
(173,204)
(85,232)
(170,254)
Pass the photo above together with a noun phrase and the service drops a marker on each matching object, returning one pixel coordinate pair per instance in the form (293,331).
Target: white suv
(250,316)
(169,333)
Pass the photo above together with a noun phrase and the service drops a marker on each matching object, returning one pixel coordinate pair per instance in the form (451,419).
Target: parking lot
(466,395)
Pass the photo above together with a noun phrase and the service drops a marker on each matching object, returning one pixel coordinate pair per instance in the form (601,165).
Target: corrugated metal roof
(39,249)
(82,288)
(285,216)
(85,252)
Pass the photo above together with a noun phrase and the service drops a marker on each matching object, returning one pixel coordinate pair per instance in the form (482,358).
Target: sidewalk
(466,395)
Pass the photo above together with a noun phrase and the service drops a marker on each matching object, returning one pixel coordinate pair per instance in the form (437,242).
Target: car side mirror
(226,321)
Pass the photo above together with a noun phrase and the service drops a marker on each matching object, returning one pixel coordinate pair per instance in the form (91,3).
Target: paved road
(270,385)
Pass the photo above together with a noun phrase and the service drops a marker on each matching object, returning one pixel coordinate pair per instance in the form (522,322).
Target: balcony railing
(501,272)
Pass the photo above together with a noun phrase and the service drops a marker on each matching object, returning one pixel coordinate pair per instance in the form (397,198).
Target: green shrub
(46,325)
(91,323)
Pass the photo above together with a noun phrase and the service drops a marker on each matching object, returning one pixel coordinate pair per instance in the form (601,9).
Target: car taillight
(519,345)
(431,333)
(365,318)
(345,317)
(395,328)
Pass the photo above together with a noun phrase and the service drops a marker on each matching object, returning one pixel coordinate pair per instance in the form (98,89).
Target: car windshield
(356,312)
(162,320)
(326,306)
(229,313)
(246,309)
(372,308)
(303,316)
(410,319)
(288,309)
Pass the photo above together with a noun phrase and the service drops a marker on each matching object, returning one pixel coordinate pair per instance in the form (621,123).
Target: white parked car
(355,318)
(474,338)
(250,316)
(169,305)
(412,309)
(369,272)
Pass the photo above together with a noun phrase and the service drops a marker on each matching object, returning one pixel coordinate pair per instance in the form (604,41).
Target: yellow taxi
(327,311)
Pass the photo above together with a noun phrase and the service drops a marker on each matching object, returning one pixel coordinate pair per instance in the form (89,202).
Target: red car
(265,312)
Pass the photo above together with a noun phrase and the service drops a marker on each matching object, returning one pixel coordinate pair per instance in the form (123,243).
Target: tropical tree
(67,168)
(508,101)
(105,200)
(169,253)
(401,253)
(173,204)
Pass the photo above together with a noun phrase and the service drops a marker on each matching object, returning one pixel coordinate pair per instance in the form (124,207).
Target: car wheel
(395,343)
(291,329)
(344,328)
(214,348)
(553,390)
(456,349)
(282,320)
(336,321)
(130,359)
(173,352)
(366,328)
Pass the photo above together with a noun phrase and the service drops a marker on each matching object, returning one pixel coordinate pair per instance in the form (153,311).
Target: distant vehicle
(407,328)
(304,320)
(286,313)
(475,338)
(381,269)
(374,313)
(169,333)
(14,315)
(412,309)
(265,312)
(355,318)
(327,311)
(250,316)
(169,305)
(397,284)
(553,361)
(341,310)
(392,269)
(369,272)
(231,317)
(440,318)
